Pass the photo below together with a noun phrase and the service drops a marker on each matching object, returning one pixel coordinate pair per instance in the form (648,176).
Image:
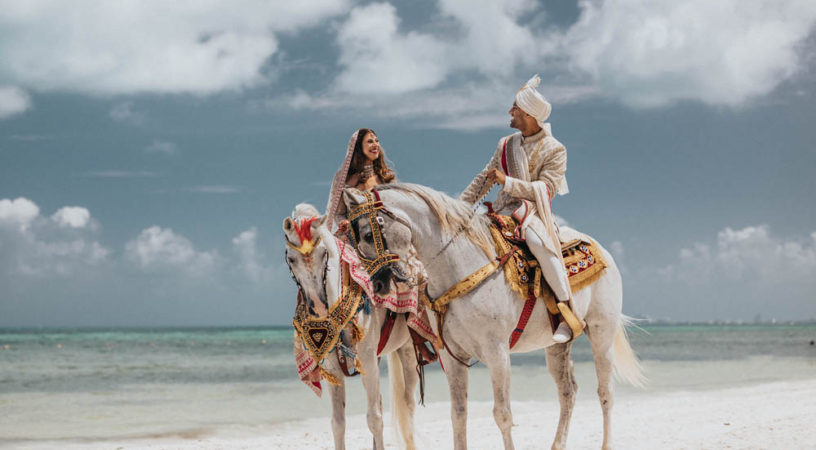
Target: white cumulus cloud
(492,40)
(750,254)
(377,58)
(13,101)
(20,211)
(486,39)
(737,274)
(725,52)
(130,46)
(251,261)
(72,217)
(157,248)
(33,245)
(460,69)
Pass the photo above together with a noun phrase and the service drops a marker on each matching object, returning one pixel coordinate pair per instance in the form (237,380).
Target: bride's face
(371,146)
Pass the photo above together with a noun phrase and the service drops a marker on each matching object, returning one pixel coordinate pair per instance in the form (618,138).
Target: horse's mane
(454,216)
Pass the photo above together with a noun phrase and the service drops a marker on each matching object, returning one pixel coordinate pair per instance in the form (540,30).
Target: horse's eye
(291,260)
(369,237)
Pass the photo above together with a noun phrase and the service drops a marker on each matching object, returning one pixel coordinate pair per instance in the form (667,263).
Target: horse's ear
(341,209)
(289,228)
(352,197)
(316,224)
(323,219)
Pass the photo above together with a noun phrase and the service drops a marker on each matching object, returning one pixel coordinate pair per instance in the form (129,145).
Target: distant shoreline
(640,322)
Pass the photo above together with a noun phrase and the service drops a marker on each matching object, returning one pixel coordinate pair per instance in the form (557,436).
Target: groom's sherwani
(535,167)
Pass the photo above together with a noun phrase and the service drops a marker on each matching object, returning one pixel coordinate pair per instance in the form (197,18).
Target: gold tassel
(329,377)
(357,332)
(358,366)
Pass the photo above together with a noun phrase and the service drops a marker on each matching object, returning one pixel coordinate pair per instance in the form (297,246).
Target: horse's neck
(333,272)
(447,259)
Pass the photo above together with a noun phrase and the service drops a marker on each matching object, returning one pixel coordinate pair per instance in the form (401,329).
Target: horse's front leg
(457,375)
(560,366)
(338,399)
(371,384)
(498,362)
(403,402)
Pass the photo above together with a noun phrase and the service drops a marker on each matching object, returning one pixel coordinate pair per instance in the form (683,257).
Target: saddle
(582,260)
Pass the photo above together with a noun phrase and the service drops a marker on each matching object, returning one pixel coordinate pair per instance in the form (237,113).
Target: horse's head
(308,253)
(382,240)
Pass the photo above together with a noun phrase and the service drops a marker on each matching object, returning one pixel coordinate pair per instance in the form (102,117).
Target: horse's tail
(400,411)
(627,365)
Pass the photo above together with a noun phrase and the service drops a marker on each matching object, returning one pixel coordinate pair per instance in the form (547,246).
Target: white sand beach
(778,415)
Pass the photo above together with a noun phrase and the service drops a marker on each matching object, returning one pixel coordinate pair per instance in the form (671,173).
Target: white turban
(533,103)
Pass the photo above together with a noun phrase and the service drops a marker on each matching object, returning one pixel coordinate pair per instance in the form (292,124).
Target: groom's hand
(496,176)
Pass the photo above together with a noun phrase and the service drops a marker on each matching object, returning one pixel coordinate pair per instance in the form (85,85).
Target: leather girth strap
(526,312)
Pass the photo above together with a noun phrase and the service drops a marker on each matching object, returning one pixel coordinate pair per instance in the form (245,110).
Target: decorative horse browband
(306,247)
(303,228)
(369,210)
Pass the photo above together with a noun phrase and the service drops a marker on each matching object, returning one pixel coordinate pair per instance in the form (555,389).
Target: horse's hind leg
(338,398)
(601,339)
(560,366)
(498,363)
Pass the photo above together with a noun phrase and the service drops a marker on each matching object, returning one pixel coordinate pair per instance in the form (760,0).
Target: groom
(530,165)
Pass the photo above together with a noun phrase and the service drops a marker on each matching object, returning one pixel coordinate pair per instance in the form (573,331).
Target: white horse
(318,276)
(453,242)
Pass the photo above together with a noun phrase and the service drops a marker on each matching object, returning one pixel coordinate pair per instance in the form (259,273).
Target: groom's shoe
(562,333)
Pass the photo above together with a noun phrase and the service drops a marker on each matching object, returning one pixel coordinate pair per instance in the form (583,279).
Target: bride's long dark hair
(358,160)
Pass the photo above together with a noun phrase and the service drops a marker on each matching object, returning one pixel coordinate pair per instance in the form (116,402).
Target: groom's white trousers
(551,267)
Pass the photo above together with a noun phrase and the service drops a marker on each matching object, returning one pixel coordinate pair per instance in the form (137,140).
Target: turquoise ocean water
(117,384)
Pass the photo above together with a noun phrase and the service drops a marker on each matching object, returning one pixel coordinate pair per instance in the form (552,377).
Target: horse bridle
(370,211)
(306,248)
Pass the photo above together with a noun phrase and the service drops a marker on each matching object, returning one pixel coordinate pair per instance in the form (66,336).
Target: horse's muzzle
(381,281)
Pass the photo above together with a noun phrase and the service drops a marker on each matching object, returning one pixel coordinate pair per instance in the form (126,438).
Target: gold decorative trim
(320,334)
(465,286)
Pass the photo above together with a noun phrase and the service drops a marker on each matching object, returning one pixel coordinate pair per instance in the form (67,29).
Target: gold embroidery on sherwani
(534,157)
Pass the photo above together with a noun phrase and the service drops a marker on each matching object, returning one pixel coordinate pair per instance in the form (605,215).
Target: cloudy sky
(149,151)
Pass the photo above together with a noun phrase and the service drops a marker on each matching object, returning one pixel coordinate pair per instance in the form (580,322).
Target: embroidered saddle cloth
(582,260)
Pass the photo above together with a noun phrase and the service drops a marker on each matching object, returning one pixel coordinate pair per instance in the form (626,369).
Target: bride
(364,168)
